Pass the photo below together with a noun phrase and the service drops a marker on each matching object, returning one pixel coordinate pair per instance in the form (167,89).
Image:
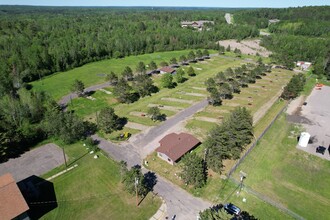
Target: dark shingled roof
(176,145)
(12,203)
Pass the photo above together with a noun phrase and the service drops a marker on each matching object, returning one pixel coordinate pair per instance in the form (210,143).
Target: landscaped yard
(93,190)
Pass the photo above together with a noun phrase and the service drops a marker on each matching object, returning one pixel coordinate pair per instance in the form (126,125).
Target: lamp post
(243,176)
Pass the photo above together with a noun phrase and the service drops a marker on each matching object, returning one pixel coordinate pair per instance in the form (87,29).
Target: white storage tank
(304,139)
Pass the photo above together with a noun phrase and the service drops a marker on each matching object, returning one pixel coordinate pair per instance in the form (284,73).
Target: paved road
(34,162)
(178,201)
(65,99)
(144,139)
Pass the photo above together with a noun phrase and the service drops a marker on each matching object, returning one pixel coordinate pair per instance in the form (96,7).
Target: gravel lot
(316,118)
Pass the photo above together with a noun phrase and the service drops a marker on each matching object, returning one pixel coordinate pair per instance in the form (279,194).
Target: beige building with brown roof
(173,146)
(12,202)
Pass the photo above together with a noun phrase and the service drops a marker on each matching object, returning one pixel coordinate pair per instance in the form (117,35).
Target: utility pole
(66,165)
(243,176)
(136,191)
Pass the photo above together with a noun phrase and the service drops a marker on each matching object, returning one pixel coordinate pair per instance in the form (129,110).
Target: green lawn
(93,191)
(292,177)
(59,84)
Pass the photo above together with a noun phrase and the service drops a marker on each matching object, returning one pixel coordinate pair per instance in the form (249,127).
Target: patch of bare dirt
(214,120)
(251,47)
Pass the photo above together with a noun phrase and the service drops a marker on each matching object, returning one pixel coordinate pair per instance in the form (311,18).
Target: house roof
(11,199)
(176,145)
(167,69)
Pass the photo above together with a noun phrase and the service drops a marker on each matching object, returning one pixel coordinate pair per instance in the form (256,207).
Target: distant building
(195,24)
(273,21)
(303,65)
(167,69)
(12,202)
(173,146)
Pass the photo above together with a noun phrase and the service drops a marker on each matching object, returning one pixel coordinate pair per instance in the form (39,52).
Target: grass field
(93,191)
(294,178)
(59,84)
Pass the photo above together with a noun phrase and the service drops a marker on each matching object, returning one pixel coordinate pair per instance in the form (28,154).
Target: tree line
(38,41)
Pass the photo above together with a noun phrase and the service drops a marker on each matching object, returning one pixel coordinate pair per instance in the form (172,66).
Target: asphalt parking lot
(35,162)
(316,113)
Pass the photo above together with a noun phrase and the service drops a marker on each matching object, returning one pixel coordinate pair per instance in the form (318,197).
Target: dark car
(320,150)
(232,209)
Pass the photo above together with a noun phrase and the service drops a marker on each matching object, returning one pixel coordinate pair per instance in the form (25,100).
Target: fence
(232,170)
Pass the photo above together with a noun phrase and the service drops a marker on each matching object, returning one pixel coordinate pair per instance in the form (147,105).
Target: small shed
(304,139)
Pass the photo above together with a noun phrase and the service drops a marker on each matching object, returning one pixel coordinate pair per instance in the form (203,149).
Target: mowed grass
(252,97)
(88,108)
(292,177)
(59,84)
(93,190)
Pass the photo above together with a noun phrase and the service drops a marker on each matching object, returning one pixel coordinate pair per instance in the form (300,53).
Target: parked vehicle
(232,209)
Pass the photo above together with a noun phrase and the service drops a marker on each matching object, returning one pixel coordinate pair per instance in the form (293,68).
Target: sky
(187,3)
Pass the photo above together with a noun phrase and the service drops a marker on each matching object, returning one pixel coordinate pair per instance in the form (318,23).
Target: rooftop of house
(176,145)
(167,69)
(12,202)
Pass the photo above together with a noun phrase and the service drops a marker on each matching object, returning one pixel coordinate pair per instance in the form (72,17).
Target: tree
(108,121)
(193,170)
(179,75)
(191,55)
(215,97)
(112,78)
(228,48)
(173,60)
(127,73)
(143,85)
(227,140)
(183,58)
(163,63)
(167,80)
(294,87)
(199,54)
(155,114)
(123,92)
(213,213)
(238,52)
(134,181)
(152,65)
(141,68)
(225,91)
(221,50)
(65,126)
(191,71)
(206,53)
(78,87)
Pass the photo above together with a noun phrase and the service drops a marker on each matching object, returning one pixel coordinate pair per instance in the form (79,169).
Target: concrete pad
(195,94)
(35,162)
(136,126)
(199,88)
(213,120)
(139,114)
(166,107)
(178,100)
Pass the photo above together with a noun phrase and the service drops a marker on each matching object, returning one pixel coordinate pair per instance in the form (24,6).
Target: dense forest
(301,34)
(37,41)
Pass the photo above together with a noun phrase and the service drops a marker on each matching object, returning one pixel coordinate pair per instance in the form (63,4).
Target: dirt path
(178,100)
(263,110)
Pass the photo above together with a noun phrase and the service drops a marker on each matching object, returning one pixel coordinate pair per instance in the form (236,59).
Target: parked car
(320,150)
(232,209)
